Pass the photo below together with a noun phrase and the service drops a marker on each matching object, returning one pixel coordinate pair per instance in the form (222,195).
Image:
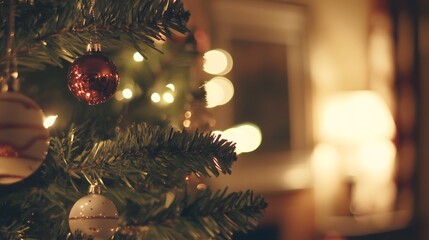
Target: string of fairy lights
(219,91)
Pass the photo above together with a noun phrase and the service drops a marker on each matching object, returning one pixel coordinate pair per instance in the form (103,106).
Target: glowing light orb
(127,93)
(247,136)
(155,97)
(138,57)
(168,97)
(217,61)
(219,91)
(171,86)
(49,121)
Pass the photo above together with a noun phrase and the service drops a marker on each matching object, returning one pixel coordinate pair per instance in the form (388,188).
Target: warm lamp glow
(217,61)
(297,177)
(49,121)
(355,117)
(358,127)
(138,57)
(377,160)
(219,91)
(247,137)
(326,161)
(375,177)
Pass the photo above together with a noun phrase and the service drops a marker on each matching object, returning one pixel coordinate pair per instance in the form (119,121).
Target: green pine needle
(49,31)
(143,155)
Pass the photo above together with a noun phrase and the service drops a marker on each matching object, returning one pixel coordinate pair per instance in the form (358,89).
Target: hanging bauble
(94,216)
(24,141)
(93,77)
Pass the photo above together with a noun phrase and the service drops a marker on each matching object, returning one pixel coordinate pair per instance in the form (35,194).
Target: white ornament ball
(24,141)
(95,216)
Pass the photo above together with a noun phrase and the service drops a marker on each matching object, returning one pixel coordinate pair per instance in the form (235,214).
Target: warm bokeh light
(186,123)
(374,175)
(327,174)
(188,114)
(377,160)
(356,129)
(168,97)
(214,94)
(171,86)
(49,121)
(356,116)
(119,96)
(247,137)
(155,97)
(138,57)
(297,177)
(217,61)
(127,93)
(219,91)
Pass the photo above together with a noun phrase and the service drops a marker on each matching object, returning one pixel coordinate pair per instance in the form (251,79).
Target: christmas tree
(139,174)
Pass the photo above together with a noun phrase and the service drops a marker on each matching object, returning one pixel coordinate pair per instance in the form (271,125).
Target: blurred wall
(340,54)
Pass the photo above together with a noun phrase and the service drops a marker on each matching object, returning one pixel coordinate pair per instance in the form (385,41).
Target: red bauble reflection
(93,78)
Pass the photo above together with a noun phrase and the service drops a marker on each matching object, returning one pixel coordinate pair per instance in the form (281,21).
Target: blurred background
(324,98)
(331,95)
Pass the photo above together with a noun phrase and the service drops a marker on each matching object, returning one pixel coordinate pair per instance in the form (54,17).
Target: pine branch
(154,204)
(48,31)
(142,155)
(207,215)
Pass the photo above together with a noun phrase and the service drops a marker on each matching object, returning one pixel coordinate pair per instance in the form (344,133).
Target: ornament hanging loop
(95,189)
(93,47)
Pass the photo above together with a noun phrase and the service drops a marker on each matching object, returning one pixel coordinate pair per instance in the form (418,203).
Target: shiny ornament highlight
(24,141)
(94,216)
(93,77)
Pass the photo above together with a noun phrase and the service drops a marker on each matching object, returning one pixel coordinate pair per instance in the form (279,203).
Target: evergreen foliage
(141,167)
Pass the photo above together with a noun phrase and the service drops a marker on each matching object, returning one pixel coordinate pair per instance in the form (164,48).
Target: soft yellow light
(155,97)
(217,61)
(214,94)
(327,166)
(375,176)
(168,97)
(355,117)
(247,137)
(138,57)
(297,177)
(219,91)
(119,96)
(377,160)
(188,114)
(186,123)
(171,86)
(49,121)
(127,93)
(250,137)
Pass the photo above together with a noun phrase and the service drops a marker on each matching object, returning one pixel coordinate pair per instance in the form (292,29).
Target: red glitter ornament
(93,77)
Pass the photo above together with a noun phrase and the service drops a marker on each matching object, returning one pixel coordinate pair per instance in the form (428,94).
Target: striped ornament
(24,141)
(95,216)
